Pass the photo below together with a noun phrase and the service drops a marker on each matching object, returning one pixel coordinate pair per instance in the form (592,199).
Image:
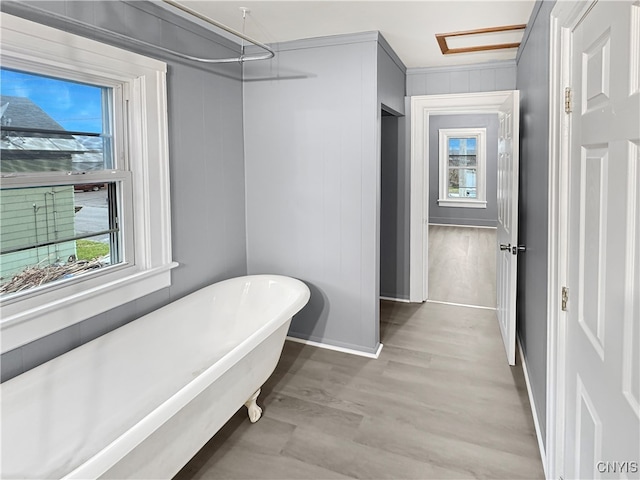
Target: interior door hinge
(567,100)
(565,298)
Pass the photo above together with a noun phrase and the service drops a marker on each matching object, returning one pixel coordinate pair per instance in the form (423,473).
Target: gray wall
(484,77)
(206,162)
(533,83)
(391,211)
(456,215)
(391,75)
(313,181)
(394,193)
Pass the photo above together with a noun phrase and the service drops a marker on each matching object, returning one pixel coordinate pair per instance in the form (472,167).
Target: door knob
(504,247)
(519,249)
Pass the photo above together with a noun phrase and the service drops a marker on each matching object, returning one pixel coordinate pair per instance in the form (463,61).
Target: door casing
(422,107)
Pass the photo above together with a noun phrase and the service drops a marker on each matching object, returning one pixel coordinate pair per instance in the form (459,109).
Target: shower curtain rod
(242,58)
(269,53)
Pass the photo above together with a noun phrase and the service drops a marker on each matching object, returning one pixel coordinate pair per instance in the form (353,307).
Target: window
(52,232)
(462,167)
(84,192)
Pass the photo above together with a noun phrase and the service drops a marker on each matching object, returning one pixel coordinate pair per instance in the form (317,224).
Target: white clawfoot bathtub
(140,401)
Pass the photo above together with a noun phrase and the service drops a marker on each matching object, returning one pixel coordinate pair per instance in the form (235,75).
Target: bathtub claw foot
(254,410)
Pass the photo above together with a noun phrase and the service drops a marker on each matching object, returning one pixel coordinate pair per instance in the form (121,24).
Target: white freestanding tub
(140,401)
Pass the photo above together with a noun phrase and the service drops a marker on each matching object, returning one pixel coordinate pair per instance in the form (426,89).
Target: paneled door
(507,232)
(601,354)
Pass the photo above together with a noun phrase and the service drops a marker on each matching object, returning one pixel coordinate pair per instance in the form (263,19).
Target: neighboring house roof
(22,112)
(32,151)
(19,112)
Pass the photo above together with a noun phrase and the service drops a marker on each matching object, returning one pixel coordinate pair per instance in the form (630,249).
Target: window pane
(463,146)
(53,233)
(462,152)
(462,183)
(463,161)
(49,124)
(454,183)
(35,152)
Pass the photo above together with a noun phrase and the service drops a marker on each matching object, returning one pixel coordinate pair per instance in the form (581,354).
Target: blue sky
(75,106)
(454,145)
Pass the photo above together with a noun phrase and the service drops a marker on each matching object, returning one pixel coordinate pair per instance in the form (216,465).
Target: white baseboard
(465,226)
(326,346)
(391,299)
(461,305)
(534,411)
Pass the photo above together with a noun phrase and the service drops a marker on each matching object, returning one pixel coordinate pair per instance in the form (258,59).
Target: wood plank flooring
(440,403)
(462,265)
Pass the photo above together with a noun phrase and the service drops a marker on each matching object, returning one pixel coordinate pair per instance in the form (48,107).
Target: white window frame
(444,135)
(142,147)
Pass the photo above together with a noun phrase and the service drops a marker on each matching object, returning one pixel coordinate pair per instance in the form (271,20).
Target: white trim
(564,16)
(554,436)
(327,346)
(422,106)
(534,410)
(141,164)
(480,134)
(462,226)
(461,203)
(24,327)
(419,206)
(480,307)
(392,299)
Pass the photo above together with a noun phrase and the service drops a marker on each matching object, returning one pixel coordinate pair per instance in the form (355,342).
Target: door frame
(422,107)
(565,16)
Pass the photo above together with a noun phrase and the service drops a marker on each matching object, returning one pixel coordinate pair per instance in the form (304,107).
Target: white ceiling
(408,26)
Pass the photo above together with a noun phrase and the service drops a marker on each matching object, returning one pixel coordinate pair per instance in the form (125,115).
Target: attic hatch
(481,39)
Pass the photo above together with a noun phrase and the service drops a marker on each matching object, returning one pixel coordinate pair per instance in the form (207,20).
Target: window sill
(63,311)
(462,203)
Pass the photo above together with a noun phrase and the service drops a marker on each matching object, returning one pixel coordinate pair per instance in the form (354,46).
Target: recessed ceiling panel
(494,38)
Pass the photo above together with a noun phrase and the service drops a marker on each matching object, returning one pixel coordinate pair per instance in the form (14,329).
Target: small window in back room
(462,167)
(60,203)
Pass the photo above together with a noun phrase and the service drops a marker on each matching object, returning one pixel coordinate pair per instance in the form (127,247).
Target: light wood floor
(440,402)
(462,265)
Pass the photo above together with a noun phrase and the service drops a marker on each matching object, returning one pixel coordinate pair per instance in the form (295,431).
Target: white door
(602,366)
(507,234)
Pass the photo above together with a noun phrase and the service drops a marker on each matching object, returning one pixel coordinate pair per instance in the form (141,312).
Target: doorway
(506,105)
(462,233)
(423,109)
(394,255)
